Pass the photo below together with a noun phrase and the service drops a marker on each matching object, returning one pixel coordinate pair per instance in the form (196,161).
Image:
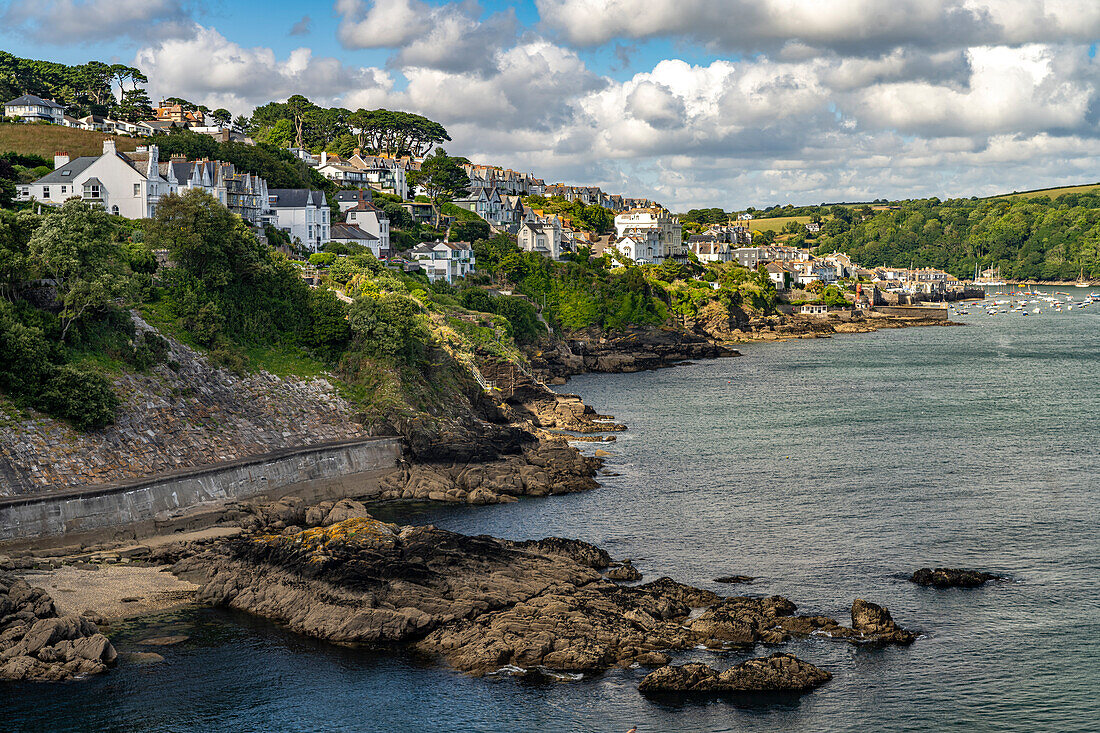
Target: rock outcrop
(952,578)
(633,350)
(544,468)
(742,620)
(776,673)
(480,603)
(38,644)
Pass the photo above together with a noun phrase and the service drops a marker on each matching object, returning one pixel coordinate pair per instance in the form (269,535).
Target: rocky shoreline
(713,334)
(483,604)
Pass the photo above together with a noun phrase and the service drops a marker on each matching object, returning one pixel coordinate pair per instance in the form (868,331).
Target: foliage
(82,89)
(74,246)
(592,217)
(324,259)
(442,177)
(1026,238)
(469,231)
(388,325)
(33,374)
(227,285)
(339,130)
(523,321)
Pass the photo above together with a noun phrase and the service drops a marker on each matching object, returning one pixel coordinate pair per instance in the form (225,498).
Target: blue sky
(691,102)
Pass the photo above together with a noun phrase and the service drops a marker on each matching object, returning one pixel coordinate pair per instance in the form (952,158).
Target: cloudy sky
(691,102)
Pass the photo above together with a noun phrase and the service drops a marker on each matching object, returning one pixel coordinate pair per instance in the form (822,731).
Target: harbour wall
(148,502)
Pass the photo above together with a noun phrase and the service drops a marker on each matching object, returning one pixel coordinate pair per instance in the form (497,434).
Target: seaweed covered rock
(952,578)
(38,644)
(776,673)
(582,553)
(771,620)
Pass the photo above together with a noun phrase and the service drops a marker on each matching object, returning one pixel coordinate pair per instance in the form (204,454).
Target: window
(137,189)
(91,191)
(45,192)
(114,210)
(63,190)
(66,173)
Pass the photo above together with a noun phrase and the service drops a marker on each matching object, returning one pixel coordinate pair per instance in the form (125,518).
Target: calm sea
(830,469)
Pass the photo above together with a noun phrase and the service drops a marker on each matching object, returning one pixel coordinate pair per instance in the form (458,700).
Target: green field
(45,140)
(776,224)
(1051,192)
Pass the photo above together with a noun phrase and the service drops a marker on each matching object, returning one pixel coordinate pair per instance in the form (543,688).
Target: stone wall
(134,502)
(172,418)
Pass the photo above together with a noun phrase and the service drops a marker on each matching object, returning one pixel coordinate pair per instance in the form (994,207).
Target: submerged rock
(735,579)
(952,578)
(38,644)
(776,673)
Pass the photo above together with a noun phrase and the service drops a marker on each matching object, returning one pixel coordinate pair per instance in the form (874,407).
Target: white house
(541,237)
(370,218)
(351,234)
(641,244)
(121,185)
(814,309)
(342,173)
(446,261)
(660,220)
(30,108)
(301,213)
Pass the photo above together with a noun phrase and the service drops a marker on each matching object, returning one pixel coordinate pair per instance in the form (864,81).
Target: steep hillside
(45,140)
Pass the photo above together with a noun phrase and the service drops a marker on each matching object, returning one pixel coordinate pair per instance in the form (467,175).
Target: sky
(693,103)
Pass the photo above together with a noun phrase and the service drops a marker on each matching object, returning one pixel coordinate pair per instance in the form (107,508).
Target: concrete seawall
(91,509)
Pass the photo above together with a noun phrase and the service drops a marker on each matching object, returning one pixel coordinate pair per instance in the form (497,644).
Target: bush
(84,397)
(329,330)
(322,259)
(389,325)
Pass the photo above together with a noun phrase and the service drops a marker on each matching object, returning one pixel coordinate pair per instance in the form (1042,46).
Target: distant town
(130,184)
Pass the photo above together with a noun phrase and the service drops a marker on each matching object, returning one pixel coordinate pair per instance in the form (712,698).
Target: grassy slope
(1051,192)
(45,140)
(777,224)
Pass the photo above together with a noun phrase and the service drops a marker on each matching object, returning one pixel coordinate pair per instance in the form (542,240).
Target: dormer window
(65,173)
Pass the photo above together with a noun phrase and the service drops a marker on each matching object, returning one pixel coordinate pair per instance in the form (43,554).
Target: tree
(135,105)
(298,107)
(442,178)
(222,116)
(75,247)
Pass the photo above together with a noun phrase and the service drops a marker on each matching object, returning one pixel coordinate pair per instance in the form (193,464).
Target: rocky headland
(483,604)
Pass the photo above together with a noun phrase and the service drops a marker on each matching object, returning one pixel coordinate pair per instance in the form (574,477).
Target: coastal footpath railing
(103,506)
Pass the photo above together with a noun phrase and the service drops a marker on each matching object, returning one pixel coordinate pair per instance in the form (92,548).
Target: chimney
(109,147)
(60,159)
(324,158)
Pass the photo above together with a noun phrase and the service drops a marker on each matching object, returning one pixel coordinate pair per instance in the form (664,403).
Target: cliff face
(173,418)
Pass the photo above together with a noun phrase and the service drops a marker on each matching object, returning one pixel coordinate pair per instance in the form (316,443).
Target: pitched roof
(350,231)
(294,198)
(69,171)
(30,99)
(357,195)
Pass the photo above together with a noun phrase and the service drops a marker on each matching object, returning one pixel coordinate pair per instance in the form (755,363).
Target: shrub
(322,259)
(389,325)
(84,397)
